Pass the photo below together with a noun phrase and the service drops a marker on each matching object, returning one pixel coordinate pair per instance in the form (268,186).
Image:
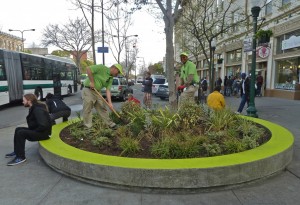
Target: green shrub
(163,148)
(220,120)
(101,142)
(249,143)
(190,115)
(129,146)
(233,146)
(77,132)
(212,149)
(164,119)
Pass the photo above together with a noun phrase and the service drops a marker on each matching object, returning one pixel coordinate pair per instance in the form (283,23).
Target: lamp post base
(251,111)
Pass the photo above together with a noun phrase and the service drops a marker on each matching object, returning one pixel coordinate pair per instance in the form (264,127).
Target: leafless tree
(205,20)
(75,37)
(88,8)
(119,21)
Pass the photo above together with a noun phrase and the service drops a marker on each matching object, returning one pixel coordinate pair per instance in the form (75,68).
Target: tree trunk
(169,25)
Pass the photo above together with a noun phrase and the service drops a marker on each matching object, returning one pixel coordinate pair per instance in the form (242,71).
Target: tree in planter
(263,36)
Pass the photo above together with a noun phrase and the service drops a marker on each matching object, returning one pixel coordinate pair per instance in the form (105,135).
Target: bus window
(2,73)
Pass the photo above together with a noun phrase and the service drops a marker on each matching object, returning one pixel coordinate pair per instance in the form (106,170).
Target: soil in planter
(145,152)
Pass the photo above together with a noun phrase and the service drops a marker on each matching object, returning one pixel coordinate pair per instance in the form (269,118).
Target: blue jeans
(243,102)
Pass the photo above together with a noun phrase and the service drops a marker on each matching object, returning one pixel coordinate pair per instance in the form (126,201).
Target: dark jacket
(38,119)
(148,85)
(55,105)
(247,87)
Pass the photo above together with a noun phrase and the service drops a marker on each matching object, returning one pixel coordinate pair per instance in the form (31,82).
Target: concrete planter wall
(194,173)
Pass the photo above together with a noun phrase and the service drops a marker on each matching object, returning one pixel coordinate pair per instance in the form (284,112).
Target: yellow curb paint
(281,140)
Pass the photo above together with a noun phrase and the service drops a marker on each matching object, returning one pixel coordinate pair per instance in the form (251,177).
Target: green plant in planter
(263,36)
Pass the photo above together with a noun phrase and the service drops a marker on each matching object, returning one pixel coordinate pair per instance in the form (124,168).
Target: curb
(208,172)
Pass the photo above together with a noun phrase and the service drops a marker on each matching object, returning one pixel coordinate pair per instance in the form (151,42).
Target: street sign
(248,44)
(102,49)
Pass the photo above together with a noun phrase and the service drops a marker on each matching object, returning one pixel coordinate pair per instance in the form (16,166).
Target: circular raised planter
(195,173)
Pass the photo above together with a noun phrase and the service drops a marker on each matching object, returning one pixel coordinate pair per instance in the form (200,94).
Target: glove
(181,87)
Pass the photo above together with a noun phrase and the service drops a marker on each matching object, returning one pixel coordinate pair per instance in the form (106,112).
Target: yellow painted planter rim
(281,140)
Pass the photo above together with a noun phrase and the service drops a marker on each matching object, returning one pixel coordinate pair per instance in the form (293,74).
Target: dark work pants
(21,135)
(64,114)
(243,102)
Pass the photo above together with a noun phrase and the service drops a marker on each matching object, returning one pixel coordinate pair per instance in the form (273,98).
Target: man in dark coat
(245,92)
(39,128)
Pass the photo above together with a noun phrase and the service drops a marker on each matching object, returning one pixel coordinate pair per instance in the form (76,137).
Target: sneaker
(15,161)
(13,154)
(238,113)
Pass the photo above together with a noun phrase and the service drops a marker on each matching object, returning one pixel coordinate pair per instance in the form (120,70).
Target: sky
(37,14)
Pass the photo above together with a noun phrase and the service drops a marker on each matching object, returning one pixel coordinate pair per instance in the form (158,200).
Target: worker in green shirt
(99,76)
(188,78)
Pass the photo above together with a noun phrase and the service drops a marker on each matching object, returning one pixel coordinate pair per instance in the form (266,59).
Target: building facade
(10,42)
(278,60)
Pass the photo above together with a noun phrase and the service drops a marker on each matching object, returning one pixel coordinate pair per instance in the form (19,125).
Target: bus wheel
(69,89)
(38,93)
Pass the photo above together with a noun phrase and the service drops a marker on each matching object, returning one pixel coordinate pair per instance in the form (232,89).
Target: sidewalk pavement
(35,183)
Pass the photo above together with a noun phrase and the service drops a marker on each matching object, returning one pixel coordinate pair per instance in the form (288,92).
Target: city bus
(22,73)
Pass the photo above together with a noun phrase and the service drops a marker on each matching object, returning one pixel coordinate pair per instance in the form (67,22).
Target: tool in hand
(102,98)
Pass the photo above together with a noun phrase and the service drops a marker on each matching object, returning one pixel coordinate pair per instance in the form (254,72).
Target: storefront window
(287,74)
(233,71)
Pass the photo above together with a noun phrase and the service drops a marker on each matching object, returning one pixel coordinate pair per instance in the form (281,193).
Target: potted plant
(263,36)
(220,61)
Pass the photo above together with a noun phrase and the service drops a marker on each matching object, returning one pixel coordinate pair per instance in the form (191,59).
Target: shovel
(102,98)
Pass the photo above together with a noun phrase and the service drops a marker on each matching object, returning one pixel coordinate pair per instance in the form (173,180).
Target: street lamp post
(251,110)
(22,33)
(212,70)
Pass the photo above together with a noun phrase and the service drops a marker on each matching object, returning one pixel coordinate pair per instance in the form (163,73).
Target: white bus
(22,73)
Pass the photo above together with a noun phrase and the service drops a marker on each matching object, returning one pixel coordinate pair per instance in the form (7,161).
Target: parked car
(163,92)
(119,89)
(130,82)
(157,81)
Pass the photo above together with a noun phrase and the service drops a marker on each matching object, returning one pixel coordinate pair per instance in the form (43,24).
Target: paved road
(34,183)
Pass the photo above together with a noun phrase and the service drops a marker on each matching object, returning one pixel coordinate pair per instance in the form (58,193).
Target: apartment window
(235,19)
(234,56)
(269,7)
(284,2)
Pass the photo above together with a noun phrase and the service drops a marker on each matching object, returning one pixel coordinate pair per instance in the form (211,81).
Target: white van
(158,80)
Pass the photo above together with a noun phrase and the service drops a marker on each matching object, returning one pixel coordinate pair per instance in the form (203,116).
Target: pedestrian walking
(189,78)
(39,128)
(259,83)
(57,108)
(216,100)
(225,85)
(148,82)
(204,86)
(99,76)
(245,92)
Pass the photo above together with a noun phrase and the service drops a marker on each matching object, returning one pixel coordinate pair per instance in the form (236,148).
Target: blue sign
(102,49)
